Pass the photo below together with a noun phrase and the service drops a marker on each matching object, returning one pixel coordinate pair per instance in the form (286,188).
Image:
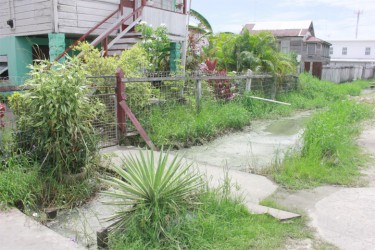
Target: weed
(329,154)
(180,125)
(19,182)
(219,224)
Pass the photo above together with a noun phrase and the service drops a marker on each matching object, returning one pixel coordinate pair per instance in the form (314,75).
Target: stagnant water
(256,147)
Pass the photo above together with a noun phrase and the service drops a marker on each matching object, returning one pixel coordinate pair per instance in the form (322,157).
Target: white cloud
(333,19)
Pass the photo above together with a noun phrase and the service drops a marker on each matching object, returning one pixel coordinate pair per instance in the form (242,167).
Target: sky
(332,19)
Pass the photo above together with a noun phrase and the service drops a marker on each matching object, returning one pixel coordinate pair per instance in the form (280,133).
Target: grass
(329,154)
(19,182)
(218,223)
(22,181)
(179,125)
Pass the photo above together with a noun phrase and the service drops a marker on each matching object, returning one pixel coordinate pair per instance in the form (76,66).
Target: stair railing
(82,38)
(104,36)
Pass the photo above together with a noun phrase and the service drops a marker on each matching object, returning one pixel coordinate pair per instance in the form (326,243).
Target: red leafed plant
(222,88)
(2,113)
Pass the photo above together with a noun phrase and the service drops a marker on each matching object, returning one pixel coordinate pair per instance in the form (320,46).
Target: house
(353,53)
(297,37)
(35,29)
(350,60)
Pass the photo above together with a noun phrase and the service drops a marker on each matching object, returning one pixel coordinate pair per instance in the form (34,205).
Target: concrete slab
(82,223)
(276,213)
(251,187)
(19,232)
(347,218)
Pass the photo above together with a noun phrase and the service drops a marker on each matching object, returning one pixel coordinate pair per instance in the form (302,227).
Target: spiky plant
(153,192)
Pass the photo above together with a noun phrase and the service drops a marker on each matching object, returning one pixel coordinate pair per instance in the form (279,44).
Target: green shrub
(130,61)
(55,119)
(153,192)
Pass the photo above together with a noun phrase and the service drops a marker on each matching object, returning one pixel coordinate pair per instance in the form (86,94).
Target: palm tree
(197,38)
(203,27)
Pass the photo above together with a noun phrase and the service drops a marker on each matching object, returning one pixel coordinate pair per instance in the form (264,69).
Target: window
(3,67)
(40,52)
(331,51)
(344,51)
(311,49)
(285,46)
(368,51)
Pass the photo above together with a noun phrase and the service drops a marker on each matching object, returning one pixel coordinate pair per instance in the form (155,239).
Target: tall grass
(19,182)
(180,125)
(329,154)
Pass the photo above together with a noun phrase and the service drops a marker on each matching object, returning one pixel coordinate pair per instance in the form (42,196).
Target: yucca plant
(153,190)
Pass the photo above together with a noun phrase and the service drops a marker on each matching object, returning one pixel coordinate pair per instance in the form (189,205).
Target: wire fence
(102,88)
(166,92)
(154,94)
(12,139)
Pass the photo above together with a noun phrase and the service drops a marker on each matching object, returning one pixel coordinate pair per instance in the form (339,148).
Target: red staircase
(117,37)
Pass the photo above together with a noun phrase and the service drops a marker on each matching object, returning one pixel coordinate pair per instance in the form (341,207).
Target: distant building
(353,53)
(298,37)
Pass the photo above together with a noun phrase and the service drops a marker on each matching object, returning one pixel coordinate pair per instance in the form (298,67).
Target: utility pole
(359,12)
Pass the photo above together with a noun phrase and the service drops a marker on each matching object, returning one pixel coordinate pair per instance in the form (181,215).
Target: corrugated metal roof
(282,29)
(313,39)
(294,25)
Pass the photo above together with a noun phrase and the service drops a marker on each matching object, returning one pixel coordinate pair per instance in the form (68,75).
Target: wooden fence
(339,74)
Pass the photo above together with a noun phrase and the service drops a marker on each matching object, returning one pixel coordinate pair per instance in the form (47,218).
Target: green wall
(19,53)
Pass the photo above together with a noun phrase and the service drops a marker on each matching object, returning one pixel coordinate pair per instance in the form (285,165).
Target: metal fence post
(198,95)
(120,95)
(248,80)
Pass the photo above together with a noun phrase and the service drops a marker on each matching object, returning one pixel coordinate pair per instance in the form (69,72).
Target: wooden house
(32,29)
(297,37)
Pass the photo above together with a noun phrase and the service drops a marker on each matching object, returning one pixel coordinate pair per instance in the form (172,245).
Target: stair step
(132,35)
(121,46)
(128,40)
(114,52)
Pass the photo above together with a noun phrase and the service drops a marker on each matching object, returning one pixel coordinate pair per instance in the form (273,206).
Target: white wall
(175,22)
(79,16)
(355,50)
(30,17)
